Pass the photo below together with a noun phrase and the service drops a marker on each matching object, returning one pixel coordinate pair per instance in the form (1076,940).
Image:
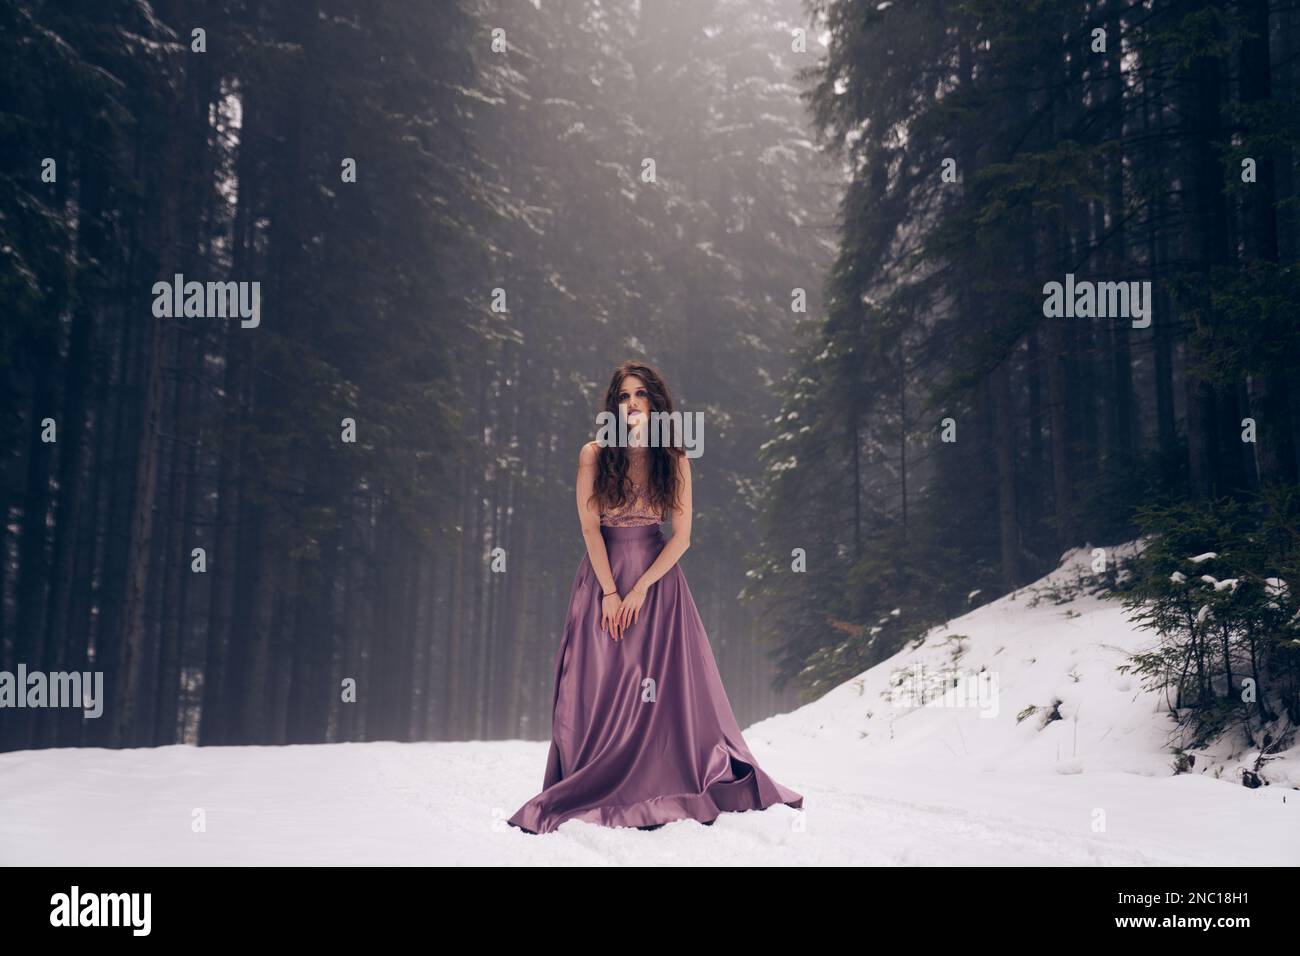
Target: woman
(642,732)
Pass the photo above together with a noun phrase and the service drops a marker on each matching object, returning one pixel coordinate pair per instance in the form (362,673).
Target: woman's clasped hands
(620,613)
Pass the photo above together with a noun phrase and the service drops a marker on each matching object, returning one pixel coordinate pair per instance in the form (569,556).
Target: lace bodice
(638,510)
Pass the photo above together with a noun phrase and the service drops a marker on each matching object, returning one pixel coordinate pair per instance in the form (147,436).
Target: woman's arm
(589,517)
(630,610)
(681,539)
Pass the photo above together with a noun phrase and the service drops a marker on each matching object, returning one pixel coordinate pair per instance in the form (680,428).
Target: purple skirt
(642,732)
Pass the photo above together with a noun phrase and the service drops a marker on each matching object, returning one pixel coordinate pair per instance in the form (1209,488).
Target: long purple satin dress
(642,732)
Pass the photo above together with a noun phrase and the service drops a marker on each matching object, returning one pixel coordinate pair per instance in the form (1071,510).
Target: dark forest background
(1109,140)
(778,169)
(476,171)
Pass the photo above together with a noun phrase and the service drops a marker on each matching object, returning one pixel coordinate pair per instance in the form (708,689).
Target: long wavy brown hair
(612,486)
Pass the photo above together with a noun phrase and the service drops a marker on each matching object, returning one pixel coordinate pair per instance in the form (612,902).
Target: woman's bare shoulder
(589,452)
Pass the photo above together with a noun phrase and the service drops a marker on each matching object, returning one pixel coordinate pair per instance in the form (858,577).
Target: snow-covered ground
(886,780)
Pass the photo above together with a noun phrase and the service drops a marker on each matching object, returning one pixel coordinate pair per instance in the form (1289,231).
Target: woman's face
(634,402)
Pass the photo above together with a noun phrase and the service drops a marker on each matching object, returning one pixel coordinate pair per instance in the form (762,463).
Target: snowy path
(388,803)
(993,780)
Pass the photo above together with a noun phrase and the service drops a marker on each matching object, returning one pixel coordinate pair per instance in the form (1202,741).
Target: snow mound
(1030,683)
